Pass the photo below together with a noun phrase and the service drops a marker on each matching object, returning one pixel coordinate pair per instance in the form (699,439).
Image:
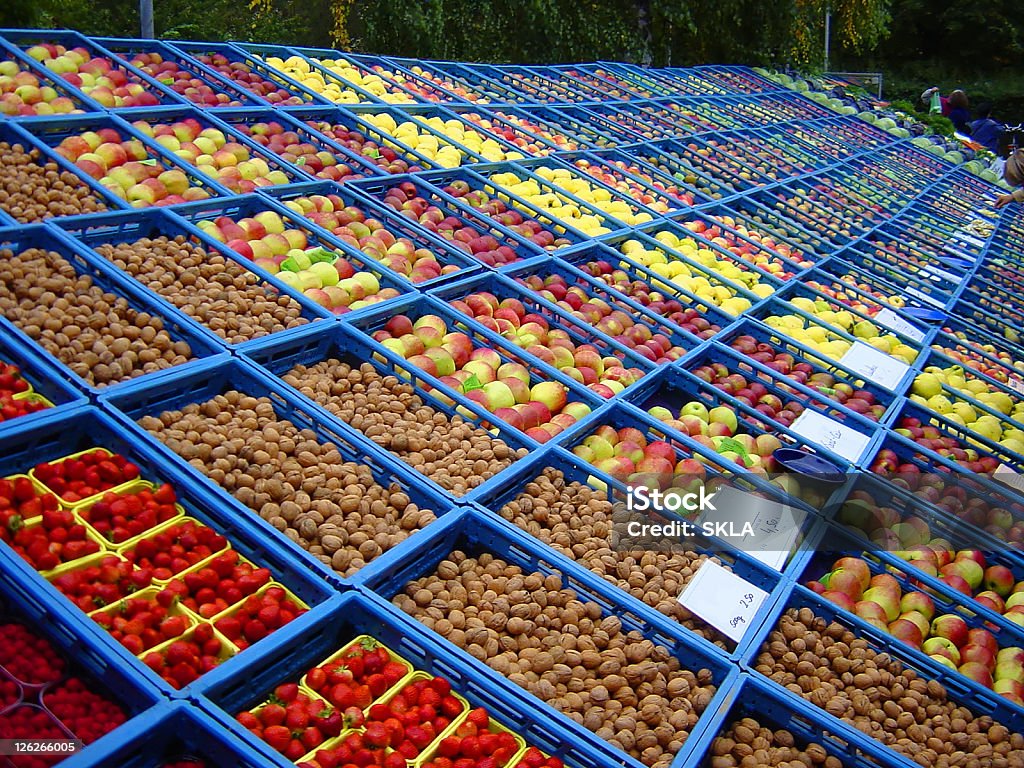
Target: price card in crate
(894,322)
(774,527)
(723,599)
(838,438)
(874,365)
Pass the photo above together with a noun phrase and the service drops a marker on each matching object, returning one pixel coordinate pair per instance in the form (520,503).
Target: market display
(328,382)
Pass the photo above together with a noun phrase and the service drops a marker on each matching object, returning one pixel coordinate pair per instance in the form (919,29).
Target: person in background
(959,114)
(1013,172)
(938,104)
(985,130)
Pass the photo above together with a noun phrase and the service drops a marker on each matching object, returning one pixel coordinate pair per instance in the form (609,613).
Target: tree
(856,26)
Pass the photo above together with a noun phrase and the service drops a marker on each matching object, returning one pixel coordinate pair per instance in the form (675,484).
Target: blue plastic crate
(573,469)
(39,373)
(533,137)
(996,349)
(739,78)
(568,124)
(648,82)
(482,223)
(807,360)
(215,55)
(308,346)
(538,84)
(19,41)
(47,79)
(475,75)
(711,157)
(975,698)
(363,613)
(128,50)
(101,672)
(218,377)
(596,260)
(668,158)
(541,277)
(454,261)
(676,119)
(202,343)
(13,133)
(247,206)
(602,81)
(580,332)
(777,708)
(433,84)
(677,386)
(610,128)
(834,543)
(50,132)
(369,322)
(114,229)
(777,221)
(168,732)
(311,59)
(818,216)
(635,118)
(477,534)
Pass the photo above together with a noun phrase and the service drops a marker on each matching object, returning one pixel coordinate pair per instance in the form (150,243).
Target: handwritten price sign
(723,599)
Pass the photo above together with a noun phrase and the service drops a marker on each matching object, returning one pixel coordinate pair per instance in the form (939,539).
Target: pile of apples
(843,204)
(821,381)
(680,171)
(761,250)
(764,162)
(406,199)
(623,453)
(23,93)
(932,438)
(547,198)
(706,282)
(600,370)
(372,237)
(181,80)
(718,430)
(441,82)
(929,390)
(213,155)
(616,174)
(506,389)
(720,165)
(690,319)
(437,141)
(337,81)
(768,221)
(976,356)
(96,76)
(523,133)
(320,274)
(609,84)
(831,345)
(910,617)
(840,289)
(386,158)
(610,317)
(242,74)
(290,147)
(125,168)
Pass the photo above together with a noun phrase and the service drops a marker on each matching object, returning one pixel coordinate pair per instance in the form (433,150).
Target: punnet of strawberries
(21,502)
(294,723)
(28,657)
(87,714)
(57,538)
(141,623)
(415,716)
(358,750)
(362,674)
(258,616)
(175,548)
(122,516)
(29,722)
(12,409)
(473,745)
(534,758)
(102,583)
(11,380)
(186,659)
(86,475)
(223,582)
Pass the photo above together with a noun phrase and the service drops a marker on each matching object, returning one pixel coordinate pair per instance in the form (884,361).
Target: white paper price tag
(1009,477)
(924,297)
(938,275)
(874,365)
(776,526)
(1016,385)
(894,322)
(829,433)
(960,254)
(975,241)
(723,599)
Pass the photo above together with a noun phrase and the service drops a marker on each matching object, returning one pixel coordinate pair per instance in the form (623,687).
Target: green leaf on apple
(373,153)
(151,161)
(167,80)
(471,383)
(728,444)
(321,254)
(301,161)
